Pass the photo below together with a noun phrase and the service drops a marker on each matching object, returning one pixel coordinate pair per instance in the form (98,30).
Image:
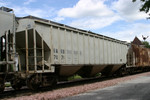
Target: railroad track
(24,91)
(11,93)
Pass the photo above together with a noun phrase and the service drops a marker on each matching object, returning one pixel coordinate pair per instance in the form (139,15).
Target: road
(137,89)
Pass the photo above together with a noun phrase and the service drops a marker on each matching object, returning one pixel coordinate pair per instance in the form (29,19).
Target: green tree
(146,44)
(145,6)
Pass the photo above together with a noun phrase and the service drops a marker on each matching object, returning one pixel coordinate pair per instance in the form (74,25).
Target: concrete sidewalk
(137,89)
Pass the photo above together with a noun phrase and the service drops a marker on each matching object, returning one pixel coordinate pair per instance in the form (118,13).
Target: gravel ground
(135,89)
(70,91)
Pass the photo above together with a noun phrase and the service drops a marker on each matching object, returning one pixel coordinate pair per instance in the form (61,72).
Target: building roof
(136,41)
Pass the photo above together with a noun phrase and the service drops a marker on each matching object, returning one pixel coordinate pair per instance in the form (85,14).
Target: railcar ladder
(34,67)
(9,59)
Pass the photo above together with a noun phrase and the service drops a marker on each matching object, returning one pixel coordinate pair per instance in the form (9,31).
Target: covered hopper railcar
(38,52)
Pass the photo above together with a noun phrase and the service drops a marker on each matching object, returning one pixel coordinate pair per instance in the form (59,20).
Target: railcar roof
(63,25)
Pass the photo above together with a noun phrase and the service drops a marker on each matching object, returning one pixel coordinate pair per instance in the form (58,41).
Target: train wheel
(120,73)
(54,82)
(32,83)
(2,85)
(16,84)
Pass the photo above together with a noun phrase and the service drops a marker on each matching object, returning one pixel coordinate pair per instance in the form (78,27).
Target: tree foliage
(146,44)
(145,6)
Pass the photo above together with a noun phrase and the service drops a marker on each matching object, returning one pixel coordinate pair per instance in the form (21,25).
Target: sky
(120,19)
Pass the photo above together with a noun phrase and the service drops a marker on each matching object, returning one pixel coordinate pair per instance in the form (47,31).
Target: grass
(7,84)
(74,77)
(98,75)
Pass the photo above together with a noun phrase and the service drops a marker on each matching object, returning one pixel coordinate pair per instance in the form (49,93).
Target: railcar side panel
(113,52)
(118,53)
(101,51)
(69,47)
(109,52)
(62,46)
(6,22)
(86,49)
(55,44)
(81,48)
(97,51)
(91,50)
(124,52)
(105,51)
(75,47)
(45,32)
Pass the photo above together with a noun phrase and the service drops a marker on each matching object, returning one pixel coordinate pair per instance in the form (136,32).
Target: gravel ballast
(70,91)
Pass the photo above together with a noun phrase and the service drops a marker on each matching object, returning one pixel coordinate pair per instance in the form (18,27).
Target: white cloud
(2,3)
(89,14)
(129,32)
(85,8)
(129,10)
(22,11)
(95,14)
(25,11)
(94,23)
(29,1)
(57,19)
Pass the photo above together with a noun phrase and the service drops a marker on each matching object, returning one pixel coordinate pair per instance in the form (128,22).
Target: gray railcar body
(70,49)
